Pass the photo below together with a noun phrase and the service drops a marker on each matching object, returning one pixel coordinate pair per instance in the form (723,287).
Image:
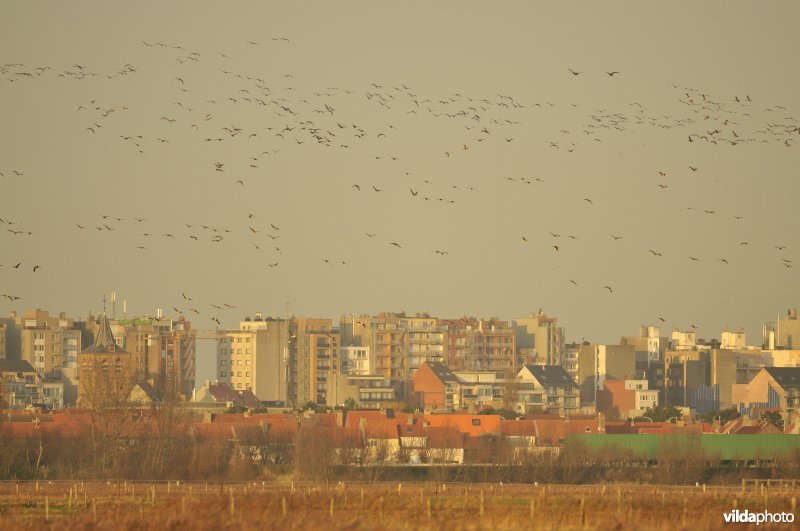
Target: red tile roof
(472,425)
(518,428)
(353,418)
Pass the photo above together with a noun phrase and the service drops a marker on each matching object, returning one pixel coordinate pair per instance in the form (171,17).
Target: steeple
(104,339)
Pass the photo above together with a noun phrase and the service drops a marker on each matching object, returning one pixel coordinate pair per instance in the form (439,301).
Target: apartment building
(480,345)
(21,386)
(539,336)
(313,362)
(545,388)
(649,345)
(597,363)
(51,345)
(256,357)
(162,351)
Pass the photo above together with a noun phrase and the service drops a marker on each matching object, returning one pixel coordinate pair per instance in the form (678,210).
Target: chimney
(793,313)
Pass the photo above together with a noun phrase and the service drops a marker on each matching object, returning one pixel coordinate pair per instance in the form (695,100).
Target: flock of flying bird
(243,112)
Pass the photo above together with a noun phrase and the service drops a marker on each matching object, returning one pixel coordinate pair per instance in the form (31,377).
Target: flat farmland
(268,505)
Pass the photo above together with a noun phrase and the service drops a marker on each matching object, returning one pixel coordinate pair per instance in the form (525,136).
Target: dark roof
(550,375)
(785,376)
(7,365)
(148,390)
(442,371)
(104,340)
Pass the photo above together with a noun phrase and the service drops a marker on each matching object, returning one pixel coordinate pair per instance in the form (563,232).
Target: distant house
(22,386)
(625,398)
(214,392)
(771,388)
(547,388)
(142,395)
(434,386)
(745,426)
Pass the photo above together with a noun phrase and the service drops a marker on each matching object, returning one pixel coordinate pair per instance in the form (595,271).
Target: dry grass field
(257,505)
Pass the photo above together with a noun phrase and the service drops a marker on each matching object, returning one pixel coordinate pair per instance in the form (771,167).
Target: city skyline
(592,162)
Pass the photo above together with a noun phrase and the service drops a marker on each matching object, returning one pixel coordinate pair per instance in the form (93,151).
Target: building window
(222,362)
(476,422)
(247,362)
(223,374)
(247,374)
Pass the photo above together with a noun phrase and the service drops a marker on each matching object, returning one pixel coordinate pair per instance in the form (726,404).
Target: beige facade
(365,390)
(650,345)
(398,344)
(541,333)
(314,363)
(256,357)
(162,351)
(596,363)
(51,345)
(771,388)
(787,331)
(733,340)
(480,345)
(356,360)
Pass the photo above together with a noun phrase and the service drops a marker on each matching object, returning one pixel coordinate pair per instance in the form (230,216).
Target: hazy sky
(469,102)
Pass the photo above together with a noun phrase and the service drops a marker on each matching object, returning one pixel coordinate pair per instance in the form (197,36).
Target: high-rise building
(398,344)
(480,345)
(539,337)
(597,363)
(2,341)
(163,352)
(51,345)
(256,357)
(314,362)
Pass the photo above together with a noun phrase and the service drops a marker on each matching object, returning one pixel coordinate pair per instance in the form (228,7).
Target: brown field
(257,505)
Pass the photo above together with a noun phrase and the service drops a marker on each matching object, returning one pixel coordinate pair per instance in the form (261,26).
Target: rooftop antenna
(104,303)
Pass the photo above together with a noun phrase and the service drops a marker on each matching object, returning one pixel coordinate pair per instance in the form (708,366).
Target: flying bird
(573,72)
(395,244)
(609,289)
